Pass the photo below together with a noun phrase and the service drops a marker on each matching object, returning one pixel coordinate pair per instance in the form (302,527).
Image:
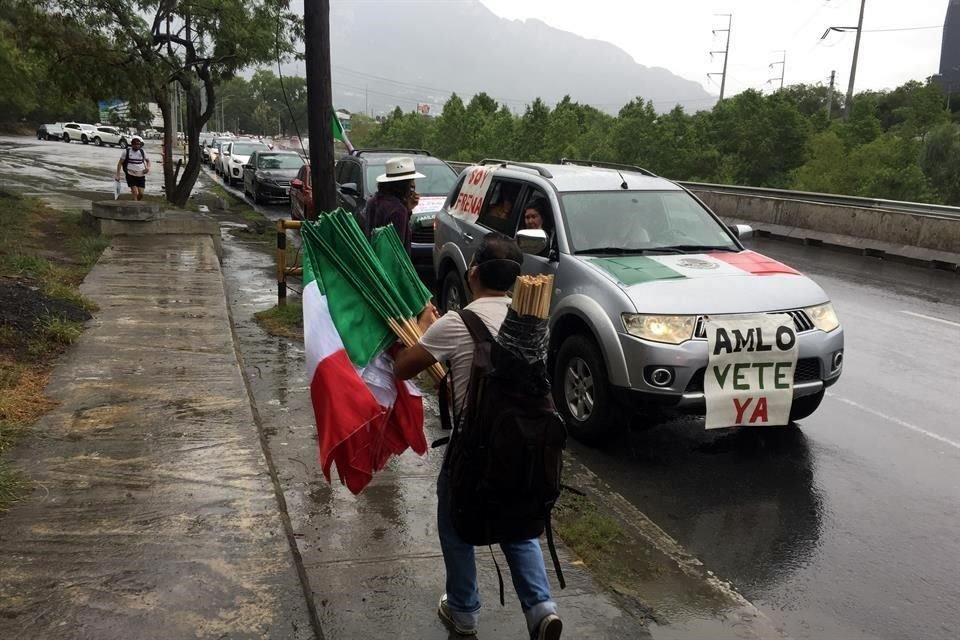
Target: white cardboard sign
(749,377)
(472,193)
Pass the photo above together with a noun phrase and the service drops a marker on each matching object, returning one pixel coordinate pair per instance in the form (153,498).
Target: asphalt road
(846,527)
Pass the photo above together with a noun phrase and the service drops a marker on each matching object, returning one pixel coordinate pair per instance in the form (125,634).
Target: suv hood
(278,174)
(716,283)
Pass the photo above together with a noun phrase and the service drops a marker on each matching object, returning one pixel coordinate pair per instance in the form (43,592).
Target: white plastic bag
(116,189)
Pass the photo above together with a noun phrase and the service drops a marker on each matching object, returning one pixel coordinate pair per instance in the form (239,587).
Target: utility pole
(783,69)
(366,99)
(316,24)
(856,55)
(833,78)
(725,52)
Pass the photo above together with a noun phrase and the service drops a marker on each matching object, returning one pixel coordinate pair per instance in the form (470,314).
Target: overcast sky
(676,34)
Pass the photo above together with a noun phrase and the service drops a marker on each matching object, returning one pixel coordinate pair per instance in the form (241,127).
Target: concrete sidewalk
(153,513)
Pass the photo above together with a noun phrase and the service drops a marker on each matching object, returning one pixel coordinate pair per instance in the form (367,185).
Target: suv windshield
(628,221)
(245,148)
(440,178)
(279,161)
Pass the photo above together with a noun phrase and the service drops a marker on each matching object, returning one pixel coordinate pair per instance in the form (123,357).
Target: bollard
(281,263)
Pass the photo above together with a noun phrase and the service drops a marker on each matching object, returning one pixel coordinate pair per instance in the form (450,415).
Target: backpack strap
(477,327)
(553,553)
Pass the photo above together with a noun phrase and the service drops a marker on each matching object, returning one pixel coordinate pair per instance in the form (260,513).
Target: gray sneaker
(549,628)
(446,615)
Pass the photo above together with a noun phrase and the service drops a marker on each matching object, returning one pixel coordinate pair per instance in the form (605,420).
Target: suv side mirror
(532,240)
(350,189)
(742,231)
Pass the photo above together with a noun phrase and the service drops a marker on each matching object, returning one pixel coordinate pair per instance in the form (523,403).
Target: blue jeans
(524,558)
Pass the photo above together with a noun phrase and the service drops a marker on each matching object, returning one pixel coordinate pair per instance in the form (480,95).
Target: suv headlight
(668,329)
(823,317)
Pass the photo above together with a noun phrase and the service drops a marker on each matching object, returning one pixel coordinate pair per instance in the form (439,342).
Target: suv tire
(97,141)
(452,295)
(583,394)
(804,407)
(66,137)
(123,143)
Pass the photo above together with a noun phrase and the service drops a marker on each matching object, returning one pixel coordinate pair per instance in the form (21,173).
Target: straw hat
(400,169)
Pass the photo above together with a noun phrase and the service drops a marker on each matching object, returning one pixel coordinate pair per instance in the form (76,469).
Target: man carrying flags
(495,267)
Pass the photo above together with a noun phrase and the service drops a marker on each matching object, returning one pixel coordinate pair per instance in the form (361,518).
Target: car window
(245,148)
(634,220)
(500,210)
(340,172)
(278,161)
(353,173)
(439,178)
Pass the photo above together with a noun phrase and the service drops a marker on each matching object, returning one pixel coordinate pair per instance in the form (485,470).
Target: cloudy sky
(676,34)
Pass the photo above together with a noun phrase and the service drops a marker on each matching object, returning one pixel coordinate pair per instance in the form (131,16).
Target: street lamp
(856,54)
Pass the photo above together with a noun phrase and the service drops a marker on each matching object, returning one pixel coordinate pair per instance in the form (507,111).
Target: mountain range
(387,53)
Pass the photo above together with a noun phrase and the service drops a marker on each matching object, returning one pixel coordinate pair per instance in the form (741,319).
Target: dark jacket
(383,209)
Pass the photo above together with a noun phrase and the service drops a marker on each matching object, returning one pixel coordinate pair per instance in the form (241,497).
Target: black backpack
(506,452)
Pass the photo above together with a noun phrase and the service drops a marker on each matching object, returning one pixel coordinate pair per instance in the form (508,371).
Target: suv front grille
(801,322)
(424,236)
(807,370)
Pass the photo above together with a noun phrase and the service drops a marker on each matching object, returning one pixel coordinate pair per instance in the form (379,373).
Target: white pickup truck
(50,131)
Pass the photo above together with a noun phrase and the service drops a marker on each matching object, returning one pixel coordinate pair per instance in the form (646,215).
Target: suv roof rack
(526,165)
(608,165)
(419,152)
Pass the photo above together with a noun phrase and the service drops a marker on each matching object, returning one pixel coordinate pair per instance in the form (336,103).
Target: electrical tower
(833,78)
(856,54)
(725,52)
(782,63)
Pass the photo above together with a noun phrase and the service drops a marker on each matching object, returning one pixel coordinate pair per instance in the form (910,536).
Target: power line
(933,26)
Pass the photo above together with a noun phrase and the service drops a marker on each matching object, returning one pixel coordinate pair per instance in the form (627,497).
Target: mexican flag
(364,414)
(340,134)
(631,270)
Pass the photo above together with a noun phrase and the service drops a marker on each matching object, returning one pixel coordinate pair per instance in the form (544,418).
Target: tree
(941,162)
(562,132)
(531,131)
(194,44)
(448,132)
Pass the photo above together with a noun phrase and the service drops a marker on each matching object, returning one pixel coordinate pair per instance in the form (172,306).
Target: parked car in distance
(233,155)
(213,153)
(267,174)
(356,174)
(81,132)
(111,136)
(639,264)
(50,131)
(301,195)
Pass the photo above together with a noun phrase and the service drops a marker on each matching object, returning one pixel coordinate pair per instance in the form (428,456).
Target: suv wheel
(123,143)
(452,294)
(97,141)
(66,138)
(84,139)
(582,392)
(804,407)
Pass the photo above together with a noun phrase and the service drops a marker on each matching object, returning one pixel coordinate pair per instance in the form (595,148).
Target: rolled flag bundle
(357,299)
(524,334)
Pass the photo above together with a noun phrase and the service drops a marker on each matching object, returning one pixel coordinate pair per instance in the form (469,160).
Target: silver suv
(639,263)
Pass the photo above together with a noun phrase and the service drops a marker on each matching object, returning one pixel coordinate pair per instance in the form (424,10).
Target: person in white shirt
(494,268)
(136,165)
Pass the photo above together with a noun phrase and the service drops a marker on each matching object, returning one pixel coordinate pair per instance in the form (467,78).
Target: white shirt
(136,161)
(448,339)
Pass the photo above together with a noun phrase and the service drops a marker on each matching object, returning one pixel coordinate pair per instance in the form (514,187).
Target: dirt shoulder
(44,256)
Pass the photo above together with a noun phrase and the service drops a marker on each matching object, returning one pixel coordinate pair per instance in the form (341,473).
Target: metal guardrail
(918,208)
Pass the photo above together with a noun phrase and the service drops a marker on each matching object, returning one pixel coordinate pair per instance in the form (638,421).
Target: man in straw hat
(395,199)
(492,272)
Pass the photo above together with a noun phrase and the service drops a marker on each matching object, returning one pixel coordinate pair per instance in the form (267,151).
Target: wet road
(848,526)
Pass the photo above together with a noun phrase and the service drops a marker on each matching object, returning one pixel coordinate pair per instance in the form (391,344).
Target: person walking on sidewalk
(492,272)
(135,165)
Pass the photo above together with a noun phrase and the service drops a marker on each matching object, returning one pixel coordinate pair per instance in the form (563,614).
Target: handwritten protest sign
(749,378)
(472,193)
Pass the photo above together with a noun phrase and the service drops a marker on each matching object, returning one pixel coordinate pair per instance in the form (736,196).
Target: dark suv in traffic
(356,177)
